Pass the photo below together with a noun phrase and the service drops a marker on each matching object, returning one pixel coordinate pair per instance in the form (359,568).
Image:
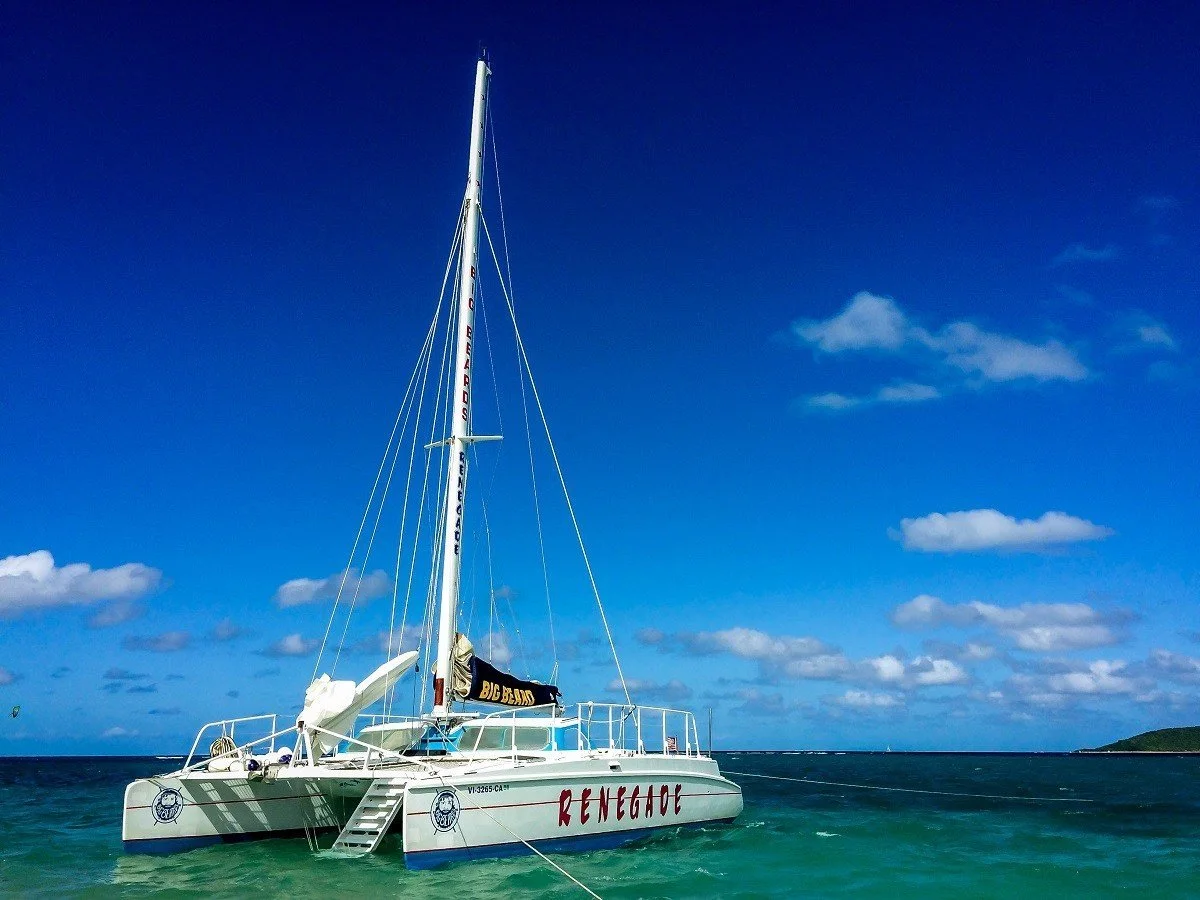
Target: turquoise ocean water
(1140,837)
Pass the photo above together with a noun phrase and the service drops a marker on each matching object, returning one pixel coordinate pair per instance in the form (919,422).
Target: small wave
(827,834)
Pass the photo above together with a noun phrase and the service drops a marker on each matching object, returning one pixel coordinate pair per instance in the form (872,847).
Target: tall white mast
(460,399)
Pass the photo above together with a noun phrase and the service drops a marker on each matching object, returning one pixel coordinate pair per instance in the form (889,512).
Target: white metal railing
(618,726)
(228,728)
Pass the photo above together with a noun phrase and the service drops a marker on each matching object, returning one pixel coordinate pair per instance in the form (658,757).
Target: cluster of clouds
(1035,627)
(958,355)
(783,658)
(1027,640)
(347,584)
(33,582)
(989,529)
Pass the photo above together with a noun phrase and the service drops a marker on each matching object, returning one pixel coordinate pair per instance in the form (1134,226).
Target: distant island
(1165,740)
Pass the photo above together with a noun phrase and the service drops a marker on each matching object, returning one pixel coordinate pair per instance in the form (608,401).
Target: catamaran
(498,765)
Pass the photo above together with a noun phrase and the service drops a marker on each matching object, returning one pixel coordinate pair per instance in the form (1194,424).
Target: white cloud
(907,392)
(823,667)
(33,582)
(118,731)
(1100,677)
(1072,681)
(832,401)
(650,636)
(758,703)
(495,648)
(1080,252)
(169,642)
(923,671)
(964,355)
(887,668)
(7,677)
(903,392)
(1155,334)
(1175,666)
(865,700)
(749,643)
(1038,627)
(1000,358)
(116,613)
(868,322)
(395,642)
(989,529)
(302,591)
(226,630)
(292,645)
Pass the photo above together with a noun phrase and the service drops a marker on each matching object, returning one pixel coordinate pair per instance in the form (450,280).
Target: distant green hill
(1165,740)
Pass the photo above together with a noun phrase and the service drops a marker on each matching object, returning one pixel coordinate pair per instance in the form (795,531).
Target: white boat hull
(567,805)
(171,814)
(494,809)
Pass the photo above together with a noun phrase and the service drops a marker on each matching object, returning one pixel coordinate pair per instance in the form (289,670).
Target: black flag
(490,685)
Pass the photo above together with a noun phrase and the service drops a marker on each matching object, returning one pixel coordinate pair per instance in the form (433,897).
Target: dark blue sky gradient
(223,231)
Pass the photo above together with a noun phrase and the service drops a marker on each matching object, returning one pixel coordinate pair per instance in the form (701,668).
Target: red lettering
(564,807)
(603,814)
(635,808)
(584,799)
(620,803)
(678,806)
(662,800)
(649,801)
(466,379)
(470,303)
(469,327)
(464,414)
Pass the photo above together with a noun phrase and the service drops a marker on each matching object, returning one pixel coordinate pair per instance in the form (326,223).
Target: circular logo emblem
(167,805)
(445,810)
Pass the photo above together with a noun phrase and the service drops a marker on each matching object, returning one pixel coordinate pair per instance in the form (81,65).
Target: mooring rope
(877,787)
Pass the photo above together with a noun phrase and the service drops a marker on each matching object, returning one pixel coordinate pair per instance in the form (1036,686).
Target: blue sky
(868,339)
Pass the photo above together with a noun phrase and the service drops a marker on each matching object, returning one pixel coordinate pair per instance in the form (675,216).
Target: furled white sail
(333,705)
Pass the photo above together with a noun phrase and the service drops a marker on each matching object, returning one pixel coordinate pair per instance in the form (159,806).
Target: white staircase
(371,818)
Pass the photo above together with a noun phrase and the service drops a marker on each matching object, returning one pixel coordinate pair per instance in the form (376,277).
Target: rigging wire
(440,411)
(558,468)
(537,506)
(398,644)
(366,513)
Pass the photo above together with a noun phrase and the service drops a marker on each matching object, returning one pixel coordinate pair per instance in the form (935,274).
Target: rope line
(876,787)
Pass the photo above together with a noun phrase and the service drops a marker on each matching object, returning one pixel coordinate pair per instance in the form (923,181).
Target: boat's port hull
(171,814)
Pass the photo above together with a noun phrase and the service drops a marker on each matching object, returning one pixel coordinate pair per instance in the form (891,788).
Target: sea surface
(1138,837)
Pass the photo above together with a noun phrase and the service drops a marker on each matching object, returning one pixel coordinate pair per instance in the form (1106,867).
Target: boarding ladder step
(372,817)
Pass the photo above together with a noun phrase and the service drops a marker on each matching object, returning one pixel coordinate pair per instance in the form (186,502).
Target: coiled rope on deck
(878,787)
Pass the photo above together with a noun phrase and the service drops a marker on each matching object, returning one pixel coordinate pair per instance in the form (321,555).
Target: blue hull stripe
(428,859)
